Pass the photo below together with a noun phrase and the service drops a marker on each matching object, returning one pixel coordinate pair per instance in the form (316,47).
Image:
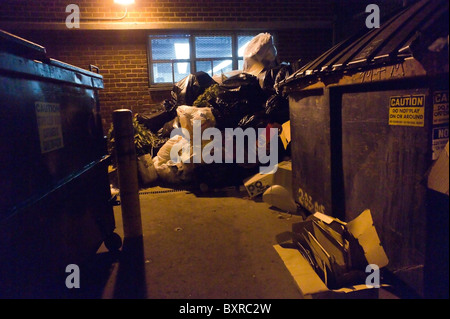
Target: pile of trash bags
(241,99)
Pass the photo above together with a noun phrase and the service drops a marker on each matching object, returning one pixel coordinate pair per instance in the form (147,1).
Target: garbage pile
(241,99)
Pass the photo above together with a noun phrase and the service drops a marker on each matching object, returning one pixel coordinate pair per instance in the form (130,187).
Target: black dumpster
(55,207)
(368,118)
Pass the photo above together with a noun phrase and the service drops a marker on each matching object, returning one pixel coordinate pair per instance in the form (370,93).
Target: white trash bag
(260,53)
(146,169)
(188,114)
(174,170)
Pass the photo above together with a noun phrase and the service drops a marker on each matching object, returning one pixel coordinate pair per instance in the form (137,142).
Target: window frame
(172,61)
(193,59)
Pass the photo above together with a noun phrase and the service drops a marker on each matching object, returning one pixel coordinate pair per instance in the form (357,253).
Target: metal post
(127,172)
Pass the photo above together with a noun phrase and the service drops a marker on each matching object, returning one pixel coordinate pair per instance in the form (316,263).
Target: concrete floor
(211,246)
(217,246)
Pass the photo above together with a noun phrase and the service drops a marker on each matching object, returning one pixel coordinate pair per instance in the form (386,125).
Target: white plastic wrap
(259,53)
(188,114)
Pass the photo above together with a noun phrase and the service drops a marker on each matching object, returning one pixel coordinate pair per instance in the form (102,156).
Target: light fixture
(124,2)
(121,2)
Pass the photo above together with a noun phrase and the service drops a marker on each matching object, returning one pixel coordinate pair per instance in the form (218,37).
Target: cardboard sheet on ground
(308,280)
(285,134)
(328,256)
(362,228)
(330,243)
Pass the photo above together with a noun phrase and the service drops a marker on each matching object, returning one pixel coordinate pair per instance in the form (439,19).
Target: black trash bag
(156,119)
(285,71)
(240,86)
(170,107)
(269,77)
(187,90)
(267,80)
(258,120)
(167,128)
(238,96)
(228,114)
(277,109)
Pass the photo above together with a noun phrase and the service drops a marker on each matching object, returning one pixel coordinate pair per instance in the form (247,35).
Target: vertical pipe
(127,172)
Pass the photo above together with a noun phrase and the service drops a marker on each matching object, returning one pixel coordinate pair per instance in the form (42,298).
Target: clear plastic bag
(260,50)
(173,170)
(188,114)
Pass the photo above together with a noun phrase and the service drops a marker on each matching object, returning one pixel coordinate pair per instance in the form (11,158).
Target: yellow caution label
(48,116)
(407,110)
(440,123)
(440,107)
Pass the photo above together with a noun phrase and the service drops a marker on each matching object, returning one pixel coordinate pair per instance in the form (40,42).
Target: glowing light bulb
(124,2)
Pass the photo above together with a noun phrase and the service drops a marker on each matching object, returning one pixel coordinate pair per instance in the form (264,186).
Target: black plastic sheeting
(242,100)
(186,91)
(239,96)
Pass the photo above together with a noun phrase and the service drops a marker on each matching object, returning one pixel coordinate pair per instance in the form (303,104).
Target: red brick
(122,57)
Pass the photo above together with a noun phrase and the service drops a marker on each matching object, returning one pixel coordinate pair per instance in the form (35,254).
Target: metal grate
(163,191)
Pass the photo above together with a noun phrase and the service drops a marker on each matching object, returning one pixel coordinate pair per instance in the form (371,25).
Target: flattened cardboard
(304,275)
(259,183)
(330,244)
(438,179)
(362,228)
(285,134)
(325,218)
(309,282)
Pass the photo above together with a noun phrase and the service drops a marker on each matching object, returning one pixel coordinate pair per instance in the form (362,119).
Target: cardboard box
(438,179)
(257,184)
(310,283)
(285,134)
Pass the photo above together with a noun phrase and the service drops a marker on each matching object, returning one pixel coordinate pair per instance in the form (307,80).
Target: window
(170,58)
(213,54)
(173,57)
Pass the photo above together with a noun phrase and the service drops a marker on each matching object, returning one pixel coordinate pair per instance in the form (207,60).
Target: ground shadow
(131,281)
(94,275)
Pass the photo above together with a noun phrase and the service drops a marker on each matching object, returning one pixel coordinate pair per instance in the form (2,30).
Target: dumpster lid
(19,46)
(424,21)
(73,68)
(25,57)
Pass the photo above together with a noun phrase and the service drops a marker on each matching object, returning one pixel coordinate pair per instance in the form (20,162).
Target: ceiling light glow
(124,2)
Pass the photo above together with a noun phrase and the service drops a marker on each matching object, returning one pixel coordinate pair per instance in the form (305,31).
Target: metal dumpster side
(366,129)
(55,207)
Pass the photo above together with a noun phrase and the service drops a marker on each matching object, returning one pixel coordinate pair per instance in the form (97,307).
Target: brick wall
(172,10)
(302,30)
(121,58)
